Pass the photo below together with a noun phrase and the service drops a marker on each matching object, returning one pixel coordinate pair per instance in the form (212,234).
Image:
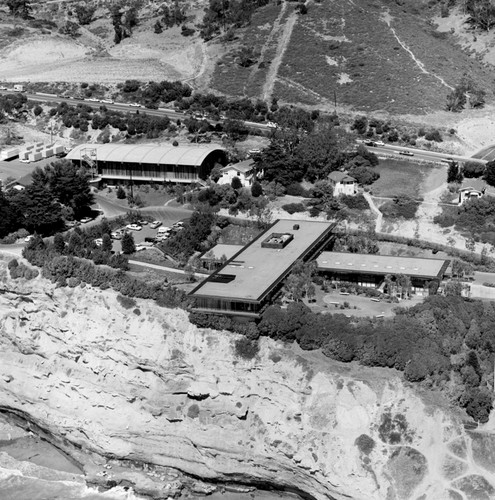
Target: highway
(126,108)
(419,154)
(387,150)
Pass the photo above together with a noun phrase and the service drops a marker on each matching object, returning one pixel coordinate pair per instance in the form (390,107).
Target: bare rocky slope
(142,385)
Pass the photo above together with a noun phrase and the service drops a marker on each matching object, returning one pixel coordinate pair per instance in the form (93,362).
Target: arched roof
(149,153)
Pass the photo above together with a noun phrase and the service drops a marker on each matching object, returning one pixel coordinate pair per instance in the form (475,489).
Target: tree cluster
(445,342)
(222,16)
(58,191)
(21,8)
(467,90)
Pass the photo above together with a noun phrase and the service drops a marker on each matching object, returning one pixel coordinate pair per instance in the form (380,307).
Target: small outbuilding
(343,183)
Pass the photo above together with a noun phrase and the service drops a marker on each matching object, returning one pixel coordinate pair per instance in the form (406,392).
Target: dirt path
(387,19)
(374,208)
(277,60)
(202,67)
(273,33)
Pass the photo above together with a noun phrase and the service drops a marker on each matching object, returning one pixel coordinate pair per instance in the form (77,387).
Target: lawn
(400,177)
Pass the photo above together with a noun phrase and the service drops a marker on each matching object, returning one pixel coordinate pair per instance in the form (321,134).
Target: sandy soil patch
(344,78)
(470,39)
(42,50)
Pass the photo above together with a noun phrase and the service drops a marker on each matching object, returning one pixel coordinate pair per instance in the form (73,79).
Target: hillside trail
(387,19)
(273,33)
(374,209)
(277,60)
(202,66)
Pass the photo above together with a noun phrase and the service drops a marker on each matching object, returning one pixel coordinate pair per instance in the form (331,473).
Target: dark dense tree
(84,13)
(11,218)
(128,244)
(454,173)
(21,8)
(489,175)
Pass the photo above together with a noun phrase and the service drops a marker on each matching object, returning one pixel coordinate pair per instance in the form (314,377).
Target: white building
(343,183)
(471,189)
(244,170)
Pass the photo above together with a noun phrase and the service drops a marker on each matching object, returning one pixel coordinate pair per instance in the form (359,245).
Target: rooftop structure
(150,162)
(251,276)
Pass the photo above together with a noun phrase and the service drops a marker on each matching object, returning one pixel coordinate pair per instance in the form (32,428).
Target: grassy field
(399,177)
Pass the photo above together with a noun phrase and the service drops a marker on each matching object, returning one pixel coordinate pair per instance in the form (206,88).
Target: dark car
(406,153)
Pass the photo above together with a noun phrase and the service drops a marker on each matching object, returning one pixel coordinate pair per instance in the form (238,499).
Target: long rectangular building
(244,285)
(370,269)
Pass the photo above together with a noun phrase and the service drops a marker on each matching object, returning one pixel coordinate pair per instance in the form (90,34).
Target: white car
(155,224)
(379,143)
(134,227)
(99,242)
(86,219)
(164,230)
(116,235)
(27,239)
(271,125)
(106,101)
(135,105)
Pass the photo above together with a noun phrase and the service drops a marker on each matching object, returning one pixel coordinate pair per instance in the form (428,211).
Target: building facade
(343,184)
(149,163)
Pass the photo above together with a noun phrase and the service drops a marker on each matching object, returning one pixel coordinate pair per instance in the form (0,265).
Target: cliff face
(144,384)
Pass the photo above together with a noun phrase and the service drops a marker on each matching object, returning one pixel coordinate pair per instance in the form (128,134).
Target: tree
(299,283)
(489,176)
(20,8)
(473,169)
(128,245)
(256,189)
(236,183)
(158,28)
(85,13)
(107,244)
(121,194)
(68,183)
(59,243)
(37,110)
(11,217)
(454,173)
(39,207)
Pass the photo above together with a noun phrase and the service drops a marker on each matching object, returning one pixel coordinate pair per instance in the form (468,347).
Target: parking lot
(139,236)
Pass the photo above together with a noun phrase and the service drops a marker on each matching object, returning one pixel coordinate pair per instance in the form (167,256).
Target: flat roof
(381,264)
(256,269)
(148,153)
(223,249)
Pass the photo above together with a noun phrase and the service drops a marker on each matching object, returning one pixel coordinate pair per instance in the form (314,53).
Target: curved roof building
(150,162)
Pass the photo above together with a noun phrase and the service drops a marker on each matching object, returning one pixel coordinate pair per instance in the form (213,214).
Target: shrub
(472,169)
(193,411)
(357,202)
(126,302)
(433,135)
(246,348)
(293,208)
(21,270)
(365,444)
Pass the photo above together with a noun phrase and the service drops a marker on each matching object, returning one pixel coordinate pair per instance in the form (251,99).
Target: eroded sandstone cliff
(143,384)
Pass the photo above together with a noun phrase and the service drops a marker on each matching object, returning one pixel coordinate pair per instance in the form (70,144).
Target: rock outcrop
(144,385)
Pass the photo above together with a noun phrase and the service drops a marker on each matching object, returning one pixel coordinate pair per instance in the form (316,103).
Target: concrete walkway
(374,208)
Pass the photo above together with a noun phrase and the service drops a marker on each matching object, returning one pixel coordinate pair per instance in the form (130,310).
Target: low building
(343,183)
(247,282)
(370,270)
(471,189)
(149,162)
(243,170)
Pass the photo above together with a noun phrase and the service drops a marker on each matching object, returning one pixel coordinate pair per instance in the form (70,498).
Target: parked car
(134,227)
(406,153)
(98,242)
(271,125)
(135,105)
(84,220)
(379,143)
(369,143)
(72,223)
(140,247)
(27,239)
(116,235)
(143,222)
(155,224)
(163,230)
